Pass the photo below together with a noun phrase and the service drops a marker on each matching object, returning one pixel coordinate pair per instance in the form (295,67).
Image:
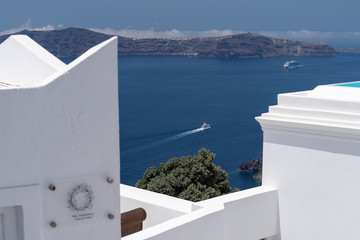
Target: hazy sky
(273,16)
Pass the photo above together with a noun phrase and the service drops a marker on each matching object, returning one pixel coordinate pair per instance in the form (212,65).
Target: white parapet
(312,156)
(59,143)
(159,207)
(249,215)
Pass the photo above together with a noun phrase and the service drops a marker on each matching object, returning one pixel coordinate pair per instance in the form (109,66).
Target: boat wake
(164,141)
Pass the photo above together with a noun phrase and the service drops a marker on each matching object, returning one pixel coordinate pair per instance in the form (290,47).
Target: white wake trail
(163,141)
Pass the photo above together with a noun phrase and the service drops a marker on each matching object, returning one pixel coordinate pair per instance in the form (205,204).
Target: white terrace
(59,174)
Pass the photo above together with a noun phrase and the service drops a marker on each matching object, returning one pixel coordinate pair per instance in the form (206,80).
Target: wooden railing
(132,221)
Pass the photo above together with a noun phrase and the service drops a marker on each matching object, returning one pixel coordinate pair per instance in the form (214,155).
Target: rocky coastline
(72,42)
(253,166)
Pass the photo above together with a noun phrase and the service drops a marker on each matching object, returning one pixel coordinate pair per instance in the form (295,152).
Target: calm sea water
(163,100)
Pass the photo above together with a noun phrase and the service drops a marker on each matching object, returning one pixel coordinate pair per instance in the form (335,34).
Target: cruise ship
(291,64)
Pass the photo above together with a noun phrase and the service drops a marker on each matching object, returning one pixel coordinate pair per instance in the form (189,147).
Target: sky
(333,21)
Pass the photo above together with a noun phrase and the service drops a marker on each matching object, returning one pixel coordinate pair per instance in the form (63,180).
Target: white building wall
(253,217)
(312,156)
(24,63)
(249,215)
(62,130)
(159,207)
(317,182)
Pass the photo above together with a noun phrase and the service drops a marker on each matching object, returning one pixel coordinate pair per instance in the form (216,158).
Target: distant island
(348,50)
(72,42)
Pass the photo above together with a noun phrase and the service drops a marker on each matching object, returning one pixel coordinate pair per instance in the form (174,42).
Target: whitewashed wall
(60,128)
(249,215)
(24,63)
(312,156)
(317,182)
(159,207)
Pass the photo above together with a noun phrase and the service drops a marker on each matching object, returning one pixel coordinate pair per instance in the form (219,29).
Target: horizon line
(330,37)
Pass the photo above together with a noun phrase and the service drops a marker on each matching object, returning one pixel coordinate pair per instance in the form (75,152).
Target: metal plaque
(80,201)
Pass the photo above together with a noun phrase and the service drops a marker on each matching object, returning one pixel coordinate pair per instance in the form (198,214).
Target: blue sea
(164,100)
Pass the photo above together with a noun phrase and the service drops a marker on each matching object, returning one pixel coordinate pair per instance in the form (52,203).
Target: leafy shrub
(193,178)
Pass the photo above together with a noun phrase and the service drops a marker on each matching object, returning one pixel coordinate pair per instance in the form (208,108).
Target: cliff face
(236,46)
(72,42)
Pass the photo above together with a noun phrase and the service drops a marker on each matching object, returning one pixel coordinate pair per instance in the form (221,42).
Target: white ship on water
(205,126)
(291,64)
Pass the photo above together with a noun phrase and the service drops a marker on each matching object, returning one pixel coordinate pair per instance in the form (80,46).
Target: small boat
(291,64)
(205,126)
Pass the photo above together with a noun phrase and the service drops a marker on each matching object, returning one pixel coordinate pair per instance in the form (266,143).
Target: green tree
(193,178)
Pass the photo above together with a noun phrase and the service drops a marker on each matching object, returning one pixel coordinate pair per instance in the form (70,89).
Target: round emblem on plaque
(81,198)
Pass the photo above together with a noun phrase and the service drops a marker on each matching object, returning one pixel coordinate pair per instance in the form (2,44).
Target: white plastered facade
(312,156)
(59,125)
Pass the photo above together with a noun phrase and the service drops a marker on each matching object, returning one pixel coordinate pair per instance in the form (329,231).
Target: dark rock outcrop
(258,177)
(72,42)
(253,166)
